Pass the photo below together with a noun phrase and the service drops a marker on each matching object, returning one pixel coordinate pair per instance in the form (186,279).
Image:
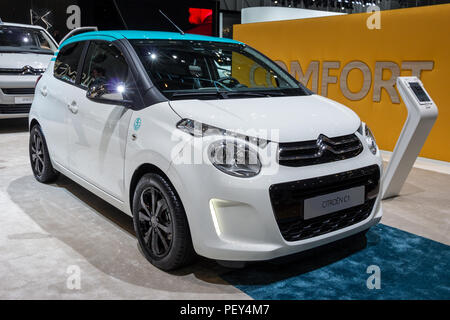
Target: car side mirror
(108,93)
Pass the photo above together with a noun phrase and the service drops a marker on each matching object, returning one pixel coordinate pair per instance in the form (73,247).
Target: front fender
(151,140)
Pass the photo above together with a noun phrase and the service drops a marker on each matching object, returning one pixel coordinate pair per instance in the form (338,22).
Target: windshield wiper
(251,94)
(227,94)
(218,94)
(255,94)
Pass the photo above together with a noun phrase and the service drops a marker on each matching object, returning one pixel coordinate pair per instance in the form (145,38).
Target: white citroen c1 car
(25,52)
(210,146)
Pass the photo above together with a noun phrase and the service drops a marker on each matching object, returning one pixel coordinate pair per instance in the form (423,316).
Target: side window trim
(81,64)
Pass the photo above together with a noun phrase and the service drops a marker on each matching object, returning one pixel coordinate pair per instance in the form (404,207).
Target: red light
(202,19)
(37,80)
(200,16)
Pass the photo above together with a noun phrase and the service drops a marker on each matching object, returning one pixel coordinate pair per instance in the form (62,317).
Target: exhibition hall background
(61,16)
(341,58)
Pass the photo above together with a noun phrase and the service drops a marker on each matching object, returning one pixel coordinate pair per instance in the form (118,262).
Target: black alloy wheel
(37,154)
(161,224)
(155,222)
(41,164)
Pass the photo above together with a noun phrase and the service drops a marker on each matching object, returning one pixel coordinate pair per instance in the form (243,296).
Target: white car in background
(25,52)
(209,145)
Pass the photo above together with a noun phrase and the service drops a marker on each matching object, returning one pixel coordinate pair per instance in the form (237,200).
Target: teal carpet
(411,267)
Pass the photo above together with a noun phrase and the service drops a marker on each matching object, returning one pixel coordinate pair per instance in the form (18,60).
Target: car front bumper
(233,218)
(16,104)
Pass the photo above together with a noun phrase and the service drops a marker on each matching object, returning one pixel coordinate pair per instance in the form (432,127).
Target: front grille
(18,90)
(21,71)
(4,71)
(288,202)
(15,109)
(322,150)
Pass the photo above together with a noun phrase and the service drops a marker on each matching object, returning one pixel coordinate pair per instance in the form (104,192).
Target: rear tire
(39,157)
(160,224)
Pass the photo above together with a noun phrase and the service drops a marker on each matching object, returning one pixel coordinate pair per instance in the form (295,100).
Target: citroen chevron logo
(326,144)
(28,70)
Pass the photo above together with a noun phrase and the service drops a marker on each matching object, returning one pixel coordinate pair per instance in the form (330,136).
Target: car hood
(280,119)
(20,60)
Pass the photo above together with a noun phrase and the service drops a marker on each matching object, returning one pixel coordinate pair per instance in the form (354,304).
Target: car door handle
(73,107)
(44,91)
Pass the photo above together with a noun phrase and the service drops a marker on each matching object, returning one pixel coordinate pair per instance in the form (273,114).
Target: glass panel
(185,67)
(104,64)
(66,64)
(19,39)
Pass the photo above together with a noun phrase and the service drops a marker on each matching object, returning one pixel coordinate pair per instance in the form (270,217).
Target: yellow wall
(414,34)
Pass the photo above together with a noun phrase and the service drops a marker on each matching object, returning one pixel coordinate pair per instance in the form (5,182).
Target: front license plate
(23,100)
(332,202)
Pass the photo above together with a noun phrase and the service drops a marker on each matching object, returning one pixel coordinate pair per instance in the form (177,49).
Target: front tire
(160,224)
(39,157)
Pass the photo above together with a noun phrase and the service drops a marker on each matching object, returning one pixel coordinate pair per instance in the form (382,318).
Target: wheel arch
(139,173)
(33,122)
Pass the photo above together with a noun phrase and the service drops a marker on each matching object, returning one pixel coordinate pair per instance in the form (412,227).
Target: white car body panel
(52,114)
(19,60)
(97,137)
(154,143)
(269,114)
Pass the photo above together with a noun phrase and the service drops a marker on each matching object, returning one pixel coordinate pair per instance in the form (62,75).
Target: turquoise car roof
(112,35)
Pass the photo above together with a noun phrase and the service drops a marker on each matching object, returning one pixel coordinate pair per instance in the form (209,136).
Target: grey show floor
(45,229)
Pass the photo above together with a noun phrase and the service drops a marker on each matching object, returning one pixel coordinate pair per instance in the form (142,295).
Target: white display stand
(422,114)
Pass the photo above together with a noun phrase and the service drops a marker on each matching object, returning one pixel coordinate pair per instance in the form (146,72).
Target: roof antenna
(173,23)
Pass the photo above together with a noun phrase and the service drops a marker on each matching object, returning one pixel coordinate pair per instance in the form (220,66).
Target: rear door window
(67,61)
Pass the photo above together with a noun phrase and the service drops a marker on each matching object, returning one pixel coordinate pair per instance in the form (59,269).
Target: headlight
(234,158)
(370,139)
(235,154)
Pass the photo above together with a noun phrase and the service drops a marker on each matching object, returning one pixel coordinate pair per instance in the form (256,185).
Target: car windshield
(213,70)
(25,40)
